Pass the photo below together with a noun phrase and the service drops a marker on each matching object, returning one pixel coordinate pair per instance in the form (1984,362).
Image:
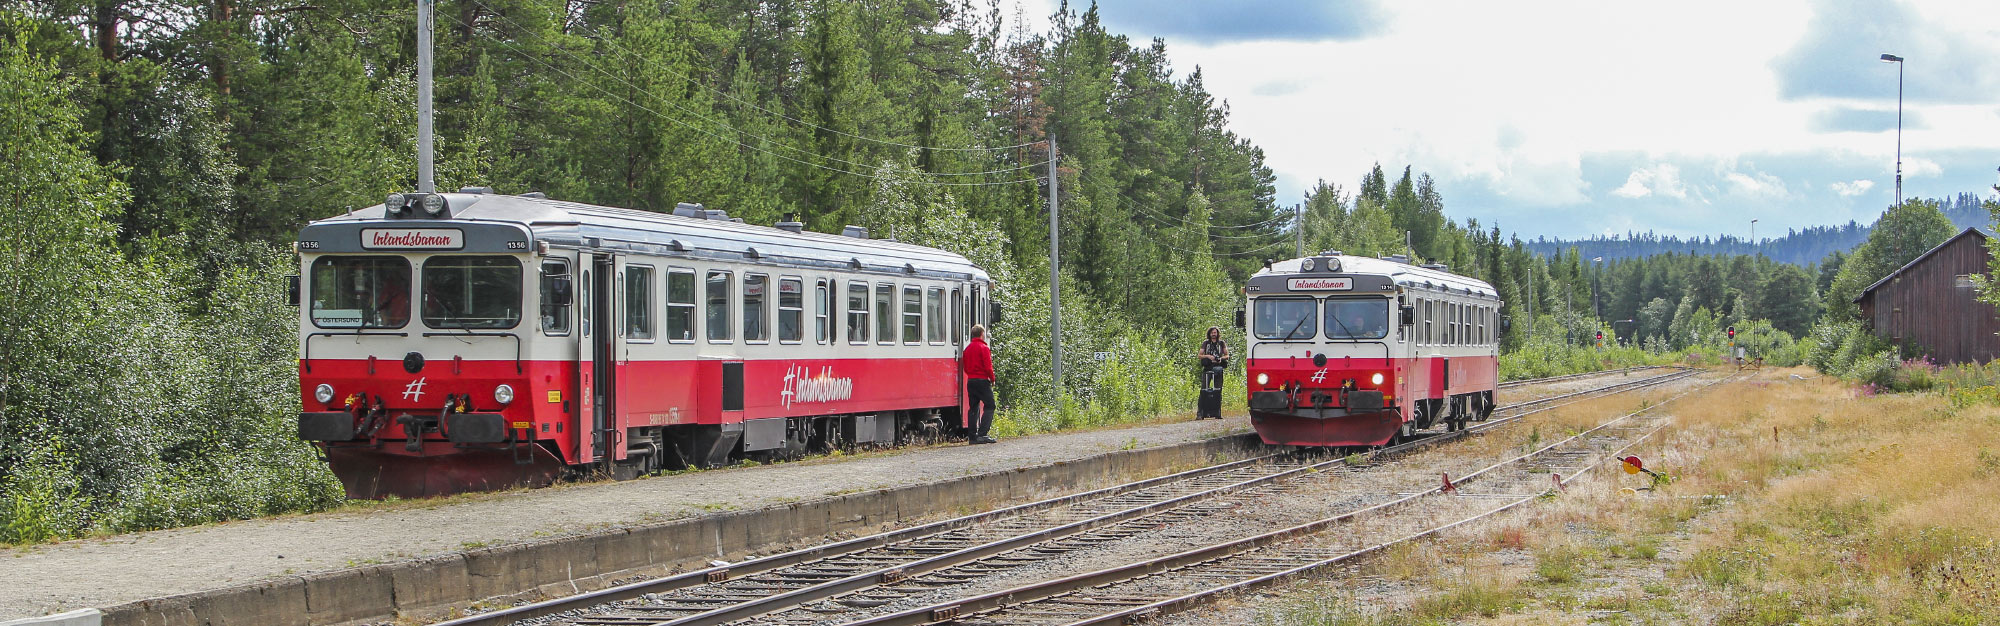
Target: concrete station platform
(421,558)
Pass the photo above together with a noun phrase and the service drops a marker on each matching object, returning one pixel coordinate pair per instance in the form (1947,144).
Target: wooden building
(1929,304)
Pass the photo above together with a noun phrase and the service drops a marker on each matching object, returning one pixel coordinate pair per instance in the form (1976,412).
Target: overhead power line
(733,98)
(739,143)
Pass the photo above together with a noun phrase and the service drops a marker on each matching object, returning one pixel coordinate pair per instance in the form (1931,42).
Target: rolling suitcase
(1211,404)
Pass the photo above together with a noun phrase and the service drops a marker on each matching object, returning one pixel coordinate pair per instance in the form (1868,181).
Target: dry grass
(1861,510)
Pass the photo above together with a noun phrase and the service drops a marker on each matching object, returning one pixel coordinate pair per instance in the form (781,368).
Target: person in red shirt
(977,361)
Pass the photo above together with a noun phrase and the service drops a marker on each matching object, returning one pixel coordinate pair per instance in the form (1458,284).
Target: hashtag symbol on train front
(414,391)
(1319,376)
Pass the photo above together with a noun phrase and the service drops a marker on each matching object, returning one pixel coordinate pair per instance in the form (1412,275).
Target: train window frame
(518,282)
(727,322)
(934,319)
(885,314)
(556,323)
(957,316)
(913,332)
(313,296)
(1426,337)
(762,317)
(640,276)
(822,312)
(1312,324)
(857,317)
(687,308)
(798,312)
(1326,315)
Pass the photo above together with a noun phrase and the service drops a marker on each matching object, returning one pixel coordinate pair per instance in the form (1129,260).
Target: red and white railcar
(473,340)
(1357,351)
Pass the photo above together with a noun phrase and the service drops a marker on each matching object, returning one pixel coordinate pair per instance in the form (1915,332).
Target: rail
(1268,568)
(941,553)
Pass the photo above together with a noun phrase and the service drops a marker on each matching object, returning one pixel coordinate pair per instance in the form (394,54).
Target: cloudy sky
(1578,118)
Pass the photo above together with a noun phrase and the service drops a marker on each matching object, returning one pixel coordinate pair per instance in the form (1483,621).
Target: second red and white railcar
(1358,351)
(472,340)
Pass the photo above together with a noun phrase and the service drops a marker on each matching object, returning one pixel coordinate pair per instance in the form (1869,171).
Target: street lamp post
(1753,233)
(1890,58)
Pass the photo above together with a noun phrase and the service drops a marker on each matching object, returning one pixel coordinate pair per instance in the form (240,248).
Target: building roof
(1981,232)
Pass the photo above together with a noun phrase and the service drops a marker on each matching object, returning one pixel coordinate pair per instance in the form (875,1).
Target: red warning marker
(1558,480)
(1448,487)
(1633,465)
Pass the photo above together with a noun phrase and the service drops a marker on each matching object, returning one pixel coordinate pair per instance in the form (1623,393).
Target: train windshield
(472,292)
(361,292)
(1362,318)
(1286,318)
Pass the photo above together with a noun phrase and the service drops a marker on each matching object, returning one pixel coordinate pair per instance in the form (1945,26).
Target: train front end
(415,373)
(1322,369)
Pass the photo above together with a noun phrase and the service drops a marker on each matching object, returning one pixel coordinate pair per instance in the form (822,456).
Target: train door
(595,357)
(631,317)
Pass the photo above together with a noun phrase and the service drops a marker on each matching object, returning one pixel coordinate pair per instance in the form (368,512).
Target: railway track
(1555,379)
(872,571)
(1146,590)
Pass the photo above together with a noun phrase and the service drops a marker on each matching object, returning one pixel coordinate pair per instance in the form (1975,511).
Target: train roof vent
(716,214)
(1436,266)
(788,225)
(690,210)
(536,195)
(1399,258)
(477,190)
(857,232)
(1329,253)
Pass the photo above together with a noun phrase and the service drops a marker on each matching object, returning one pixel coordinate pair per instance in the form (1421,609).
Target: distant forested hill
(1797,247)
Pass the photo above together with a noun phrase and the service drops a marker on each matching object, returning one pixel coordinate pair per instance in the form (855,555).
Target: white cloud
(1914,167)
(1852,189)
(1535,108)
(1663,179)
(1756,184)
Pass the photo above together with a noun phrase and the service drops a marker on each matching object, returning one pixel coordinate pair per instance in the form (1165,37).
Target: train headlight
(394,205)
(1308,265)
(503,394)
(1263,378)
(434,205)
(1333,265)
(1377,378)
(323,393)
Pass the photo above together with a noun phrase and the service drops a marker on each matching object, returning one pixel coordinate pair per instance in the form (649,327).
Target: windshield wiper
(1293,333)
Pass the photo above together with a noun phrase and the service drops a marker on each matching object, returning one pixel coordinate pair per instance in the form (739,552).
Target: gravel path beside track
(102,572)
(113,570)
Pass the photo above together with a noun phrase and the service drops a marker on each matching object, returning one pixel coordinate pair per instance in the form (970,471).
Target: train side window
(756,315)
(885,313)
(1459,334)
(791,310)
(717,319)
(1426,337)
(639,303)
(913,315)
(857,312)
(957,317)
(555,317)
(934,316)
(680,305)
(820,311)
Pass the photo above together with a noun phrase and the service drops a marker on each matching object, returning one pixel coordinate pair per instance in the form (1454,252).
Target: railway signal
(1732,333)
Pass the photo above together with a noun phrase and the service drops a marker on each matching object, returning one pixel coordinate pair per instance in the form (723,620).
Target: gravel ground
(102,572)
(1302,500)
(109,571)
